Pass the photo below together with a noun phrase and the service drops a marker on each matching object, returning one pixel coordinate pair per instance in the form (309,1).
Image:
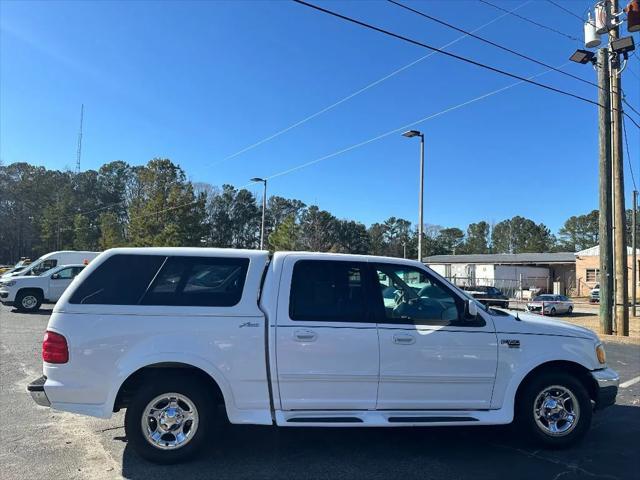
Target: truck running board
(325,420)
(430,419)
(396,419)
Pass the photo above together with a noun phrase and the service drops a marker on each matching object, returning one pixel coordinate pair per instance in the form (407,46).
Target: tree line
(155,204)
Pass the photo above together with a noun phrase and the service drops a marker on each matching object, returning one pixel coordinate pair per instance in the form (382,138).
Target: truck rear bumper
(608,381)
(36,389)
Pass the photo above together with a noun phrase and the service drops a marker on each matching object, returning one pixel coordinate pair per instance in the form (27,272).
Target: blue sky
(199,81)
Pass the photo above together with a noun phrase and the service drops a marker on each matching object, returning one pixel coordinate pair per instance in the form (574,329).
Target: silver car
(548,304)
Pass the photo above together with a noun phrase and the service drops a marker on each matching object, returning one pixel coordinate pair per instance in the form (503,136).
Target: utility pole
(606,253)
(79,152)
(634,254)
(619,212)
(421,200)
(612,210)
(264,207)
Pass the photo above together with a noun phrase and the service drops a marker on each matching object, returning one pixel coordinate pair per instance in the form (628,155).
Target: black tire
(570,311)
(28,301)
(529,396)
(552,312)
(194,390)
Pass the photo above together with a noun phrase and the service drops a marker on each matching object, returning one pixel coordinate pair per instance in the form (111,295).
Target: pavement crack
(570,466)
(110,428)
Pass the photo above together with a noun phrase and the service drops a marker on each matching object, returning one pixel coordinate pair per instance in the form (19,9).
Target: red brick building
(588,270)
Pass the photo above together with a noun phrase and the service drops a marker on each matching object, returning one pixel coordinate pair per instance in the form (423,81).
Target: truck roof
(233,252)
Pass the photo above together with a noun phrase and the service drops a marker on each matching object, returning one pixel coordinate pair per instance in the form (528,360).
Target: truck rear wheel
(28,300)
(168,421)
(554,409)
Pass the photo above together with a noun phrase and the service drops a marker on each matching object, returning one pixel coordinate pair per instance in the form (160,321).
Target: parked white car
(305,339)
(594,295)
(548,304)
(53,259)
(29,292)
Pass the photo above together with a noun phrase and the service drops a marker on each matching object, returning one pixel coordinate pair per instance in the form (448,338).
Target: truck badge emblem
(511,343)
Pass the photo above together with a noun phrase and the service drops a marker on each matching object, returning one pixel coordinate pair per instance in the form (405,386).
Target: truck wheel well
(37,291)
(575,369)
(131,385)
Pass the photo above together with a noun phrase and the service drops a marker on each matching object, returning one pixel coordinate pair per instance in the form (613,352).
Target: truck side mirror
(471,308)
(55,276)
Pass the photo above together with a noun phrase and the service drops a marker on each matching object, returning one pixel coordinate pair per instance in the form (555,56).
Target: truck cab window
(329,291)
(42,267)
(65,273)
(409,295)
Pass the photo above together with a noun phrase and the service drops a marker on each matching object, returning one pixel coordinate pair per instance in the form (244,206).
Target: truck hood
(539,325)
(22,278)
(9,275)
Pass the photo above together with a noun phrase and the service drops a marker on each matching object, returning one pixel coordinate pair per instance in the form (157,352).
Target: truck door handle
(305,335)
(403,339)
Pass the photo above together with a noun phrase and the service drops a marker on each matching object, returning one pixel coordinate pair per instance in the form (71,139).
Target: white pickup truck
(305,339)
(28,292)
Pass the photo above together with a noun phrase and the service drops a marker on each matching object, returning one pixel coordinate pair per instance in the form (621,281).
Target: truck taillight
(54,348)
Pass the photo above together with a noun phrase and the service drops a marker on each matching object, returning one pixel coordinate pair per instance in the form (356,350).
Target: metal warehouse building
(510,271)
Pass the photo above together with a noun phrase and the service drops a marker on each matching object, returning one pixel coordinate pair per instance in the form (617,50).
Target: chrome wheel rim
(170,421)
(556,411)
(29,301)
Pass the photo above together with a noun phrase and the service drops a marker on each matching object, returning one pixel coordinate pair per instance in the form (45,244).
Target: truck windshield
(40,266)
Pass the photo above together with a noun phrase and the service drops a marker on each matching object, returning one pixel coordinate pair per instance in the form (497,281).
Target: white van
(53,259)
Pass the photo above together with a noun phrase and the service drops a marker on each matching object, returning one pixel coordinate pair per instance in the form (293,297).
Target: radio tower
(79,153)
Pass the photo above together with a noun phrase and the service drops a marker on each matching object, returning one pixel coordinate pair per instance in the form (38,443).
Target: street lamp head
(623,45)
(582,56)
(258,179)
(412,133)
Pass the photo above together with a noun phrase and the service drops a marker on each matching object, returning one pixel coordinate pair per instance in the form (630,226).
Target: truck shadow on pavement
(42,311)
(434,453)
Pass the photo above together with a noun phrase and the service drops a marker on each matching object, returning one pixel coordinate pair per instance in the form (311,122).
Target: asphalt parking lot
(37,443)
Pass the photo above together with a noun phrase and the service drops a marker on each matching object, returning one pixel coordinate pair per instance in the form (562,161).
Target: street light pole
(634,253)
(264,207)
(411,134)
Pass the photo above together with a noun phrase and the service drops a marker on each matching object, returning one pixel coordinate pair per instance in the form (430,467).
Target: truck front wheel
(28,301)
(168,421)
(555,409)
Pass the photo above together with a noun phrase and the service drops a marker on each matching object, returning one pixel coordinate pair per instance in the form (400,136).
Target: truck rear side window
(199,281)
(329,291)
(161,280)
(119,280)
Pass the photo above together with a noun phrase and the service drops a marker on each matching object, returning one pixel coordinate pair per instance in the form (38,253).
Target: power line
(566,10)
(452,55)
(359,91)
(532,21)
(370,140)
(101,208)
(105,207)
(502,47)
(403,127)
(470,34)
(506,49)
(633,179)
(629,105)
